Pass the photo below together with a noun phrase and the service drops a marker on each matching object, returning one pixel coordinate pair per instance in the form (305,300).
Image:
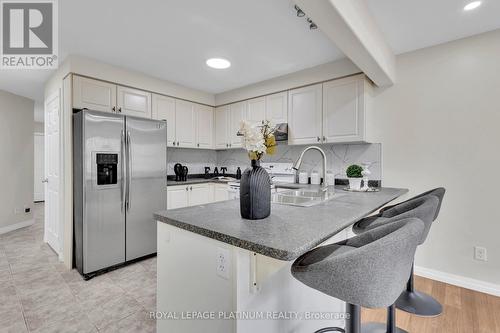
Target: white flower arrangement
(258,140)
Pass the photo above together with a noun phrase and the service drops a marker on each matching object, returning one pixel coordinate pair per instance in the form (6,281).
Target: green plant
(354,171)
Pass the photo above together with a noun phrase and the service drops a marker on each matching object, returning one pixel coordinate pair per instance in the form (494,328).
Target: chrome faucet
(297,164)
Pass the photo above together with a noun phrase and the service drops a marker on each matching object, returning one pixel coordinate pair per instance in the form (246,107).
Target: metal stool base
(379,328)
(419,304)
(330,329)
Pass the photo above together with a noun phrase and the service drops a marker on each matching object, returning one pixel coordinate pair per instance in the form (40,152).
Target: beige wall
(440,126)
(16,162)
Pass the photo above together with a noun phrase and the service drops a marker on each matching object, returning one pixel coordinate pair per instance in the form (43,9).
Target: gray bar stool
(368,270)
(411,300)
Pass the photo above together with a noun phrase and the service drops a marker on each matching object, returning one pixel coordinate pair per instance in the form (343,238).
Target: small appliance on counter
(178,172)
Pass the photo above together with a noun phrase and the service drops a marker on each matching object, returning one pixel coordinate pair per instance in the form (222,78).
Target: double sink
(303,197)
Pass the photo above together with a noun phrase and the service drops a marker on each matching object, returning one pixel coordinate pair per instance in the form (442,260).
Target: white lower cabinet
(180,196)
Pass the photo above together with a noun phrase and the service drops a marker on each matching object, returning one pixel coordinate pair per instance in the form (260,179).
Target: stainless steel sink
(302,197)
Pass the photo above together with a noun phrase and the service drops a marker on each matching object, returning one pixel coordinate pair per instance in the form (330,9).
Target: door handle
(46,180)
(191,188)
(324,138)
(319,139)
(120,109)
(129,167)
(113,108)
(123,175)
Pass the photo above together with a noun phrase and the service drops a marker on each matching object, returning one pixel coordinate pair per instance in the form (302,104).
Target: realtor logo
(29,34)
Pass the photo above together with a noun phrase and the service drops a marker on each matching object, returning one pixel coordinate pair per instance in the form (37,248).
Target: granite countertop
(289,231)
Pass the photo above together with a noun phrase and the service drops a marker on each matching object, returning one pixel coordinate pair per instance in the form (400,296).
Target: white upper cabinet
(164,109)
(134,102)
(204,126)
(256,110)
(237,113)
(93,94)
(343,110)
(304,115)
(221,127)
(277,107)
(185,124)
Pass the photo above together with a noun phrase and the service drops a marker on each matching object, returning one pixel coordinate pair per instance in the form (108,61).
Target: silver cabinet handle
(324,138)
(230,145)
(46,180)
(191,188)
(113,108)
(318,138)
(187,188)
(120,109)
(198,144)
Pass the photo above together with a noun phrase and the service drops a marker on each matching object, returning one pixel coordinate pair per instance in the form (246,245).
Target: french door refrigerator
(120,171)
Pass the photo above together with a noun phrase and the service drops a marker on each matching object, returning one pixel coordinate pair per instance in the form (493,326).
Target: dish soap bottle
(238,173)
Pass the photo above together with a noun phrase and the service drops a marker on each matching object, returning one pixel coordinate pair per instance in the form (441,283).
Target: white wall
(16,162)
(328,71)
(439,125)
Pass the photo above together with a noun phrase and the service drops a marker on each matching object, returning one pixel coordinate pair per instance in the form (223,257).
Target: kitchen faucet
(297,164)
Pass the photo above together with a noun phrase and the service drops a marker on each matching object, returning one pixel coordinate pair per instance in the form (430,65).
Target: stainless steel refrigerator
(120,171)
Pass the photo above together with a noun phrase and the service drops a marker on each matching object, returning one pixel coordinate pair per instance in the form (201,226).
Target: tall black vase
(255,192)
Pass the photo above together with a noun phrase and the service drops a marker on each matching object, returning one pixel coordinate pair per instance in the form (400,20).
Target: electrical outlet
(223,263)
(27,209)
(480,253)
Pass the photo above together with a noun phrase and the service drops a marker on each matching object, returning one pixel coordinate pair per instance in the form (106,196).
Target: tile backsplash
(339,157)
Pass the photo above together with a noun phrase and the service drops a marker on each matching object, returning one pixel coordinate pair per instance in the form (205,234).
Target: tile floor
(38,294)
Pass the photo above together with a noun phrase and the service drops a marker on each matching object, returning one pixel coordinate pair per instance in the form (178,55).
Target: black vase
(255,193)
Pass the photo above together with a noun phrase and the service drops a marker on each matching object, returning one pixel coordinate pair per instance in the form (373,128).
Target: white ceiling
(172,39)
(414,24)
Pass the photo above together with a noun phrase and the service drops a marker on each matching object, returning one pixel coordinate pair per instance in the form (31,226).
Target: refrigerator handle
(123,175)
(129,173)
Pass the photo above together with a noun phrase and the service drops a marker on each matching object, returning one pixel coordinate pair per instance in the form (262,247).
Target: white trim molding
(15,226)
(460,281)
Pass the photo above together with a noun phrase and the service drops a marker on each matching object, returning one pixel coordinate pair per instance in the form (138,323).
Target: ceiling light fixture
(472,5)
(312,25)
(300,13)
(218,63)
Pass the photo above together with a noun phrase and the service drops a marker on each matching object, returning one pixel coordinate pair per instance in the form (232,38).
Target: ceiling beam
(349,24)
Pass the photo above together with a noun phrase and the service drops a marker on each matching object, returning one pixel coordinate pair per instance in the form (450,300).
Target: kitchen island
(218,272)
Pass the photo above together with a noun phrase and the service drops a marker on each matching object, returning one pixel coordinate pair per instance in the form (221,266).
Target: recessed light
(472,5)
(218,63)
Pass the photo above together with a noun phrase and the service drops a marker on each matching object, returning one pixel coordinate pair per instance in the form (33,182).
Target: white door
(277,107)
(200,194)
(134,102)
(93,94)
(304,115)
(164,109)
(221,126)
(221,192)
(237,113)
(185,124)
(256,110)
(53,233)
(204,126)
(177,197)
(343,110)
(39,172)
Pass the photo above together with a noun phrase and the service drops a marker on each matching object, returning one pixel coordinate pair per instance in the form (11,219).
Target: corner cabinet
(93,94)
(304,115)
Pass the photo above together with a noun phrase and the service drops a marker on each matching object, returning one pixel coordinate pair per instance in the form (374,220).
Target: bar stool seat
(425,206)
(369,270)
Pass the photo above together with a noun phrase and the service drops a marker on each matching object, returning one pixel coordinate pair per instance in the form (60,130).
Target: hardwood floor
(465,311)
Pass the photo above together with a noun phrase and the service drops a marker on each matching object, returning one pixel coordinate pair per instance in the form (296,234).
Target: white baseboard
(15,226)
(460,281)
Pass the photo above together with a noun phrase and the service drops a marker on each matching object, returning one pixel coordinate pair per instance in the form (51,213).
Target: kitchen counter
(289,231)
(191,181)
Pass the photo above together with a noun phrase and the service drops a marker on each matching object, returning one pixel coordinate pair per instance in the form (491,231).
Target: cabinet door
(93,94)
(185,124)
(256,110)
(277,107)
(221,126)
(220,192)
(177,197)
(304,115)
(199,194)
(134,102)
(204,126)
(164,109)
(343,110)
(237,113)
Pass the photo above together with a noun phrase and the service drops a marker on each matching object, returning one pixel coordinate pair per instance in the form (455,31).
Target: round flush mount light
(218,63)
(472,5)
